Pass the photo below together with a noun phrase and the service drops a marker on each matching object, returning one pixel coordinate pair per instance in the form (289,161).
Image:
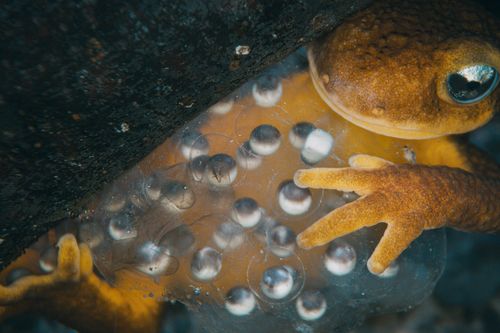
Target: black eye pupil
(472,84)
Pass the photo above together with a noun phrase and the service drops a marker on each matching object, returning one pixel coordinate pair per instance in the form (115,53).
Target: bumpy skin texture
(73,289)
(385,69)
(409,198)
(389,76)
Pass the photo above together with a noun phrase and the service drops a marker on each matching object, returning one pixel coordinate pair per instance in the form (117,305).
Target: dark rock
(88,88)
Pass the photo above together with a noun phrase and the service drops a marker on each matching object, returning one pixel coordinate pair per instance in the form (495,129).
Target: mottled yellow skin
(385,70)
(74,295)
(382,73)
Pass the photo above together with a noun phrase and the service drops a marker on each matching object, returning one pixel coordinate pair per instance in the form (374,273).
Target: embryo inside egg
(210,218)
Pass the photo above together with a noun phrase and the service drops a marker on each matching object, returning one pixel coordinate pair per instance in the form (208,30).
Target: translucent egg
(390,271)
(264,228)
(206,264)
(240,301)
(229,235)
(115,202)
(122,227)
(198,167)
(246,211)
(91,234)
(277,282)
(177,194)
(221,108)
(311,305)
(178,241)
(340,258)
(211,219)
(293,199)
(281,241)
(318,146)
(153,188)
(48,260)
(193,144)
(153,260)
(267,91)
(246,158)
(299,133)
(221,170)
(265,140)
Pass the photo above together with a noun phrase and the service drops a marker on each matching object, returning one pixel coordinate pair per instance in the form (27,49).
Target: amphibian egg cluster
(213,221)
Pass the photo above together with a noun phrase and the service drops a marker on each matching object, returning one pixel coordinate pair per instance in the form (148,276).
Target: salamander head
(414,70)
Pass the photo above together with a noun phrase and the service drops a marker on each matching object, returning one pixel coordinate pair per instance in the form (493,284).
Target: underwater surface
(218,225)
(224,195)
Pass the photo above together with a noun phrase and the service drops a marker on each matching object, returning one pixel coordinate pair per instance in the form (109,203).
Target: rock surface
(89,88)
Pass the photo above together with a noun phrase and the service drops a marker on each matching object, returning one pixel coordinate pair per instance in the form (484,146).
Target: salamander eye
(472,84)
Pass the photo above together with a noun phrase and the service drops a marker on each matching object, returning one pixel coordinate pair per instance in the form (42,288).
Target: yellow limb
(73,293)
(408,198)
